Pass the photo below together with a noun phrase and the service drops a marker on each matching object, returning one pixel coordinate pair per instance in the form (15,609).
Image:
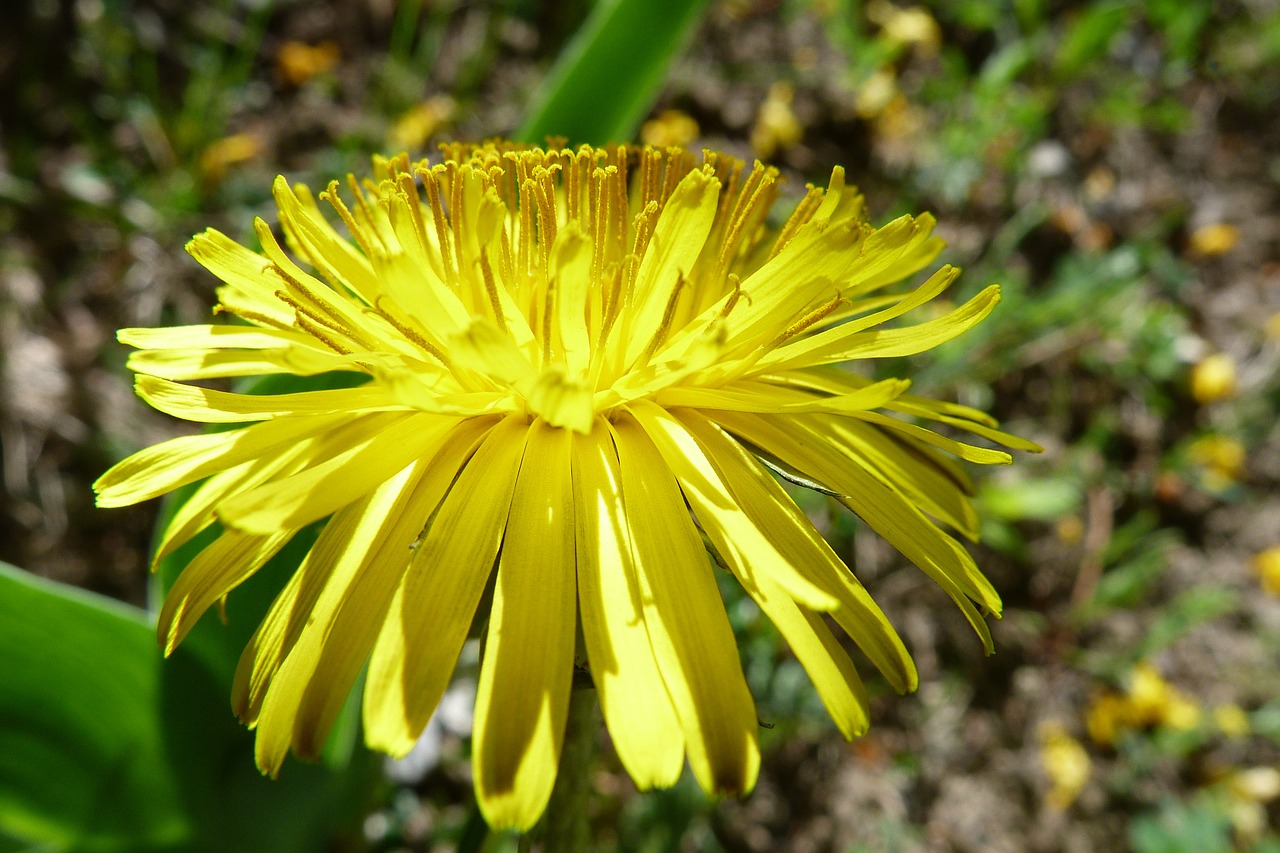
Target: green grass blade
(606,80)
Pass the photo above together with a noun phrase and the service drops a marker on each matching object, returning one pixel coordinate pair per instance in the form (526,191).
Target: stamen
(545,195)
(573,176)
(737,294)
(676,170)
(456,217)
(312,324)
(524,257)
(491,287)
(421,342)
(804,211)
(362,204)
(252,317)
(808,320)
(431,183)
(611,308)
(754,191)
(331,195)
(668,315)
(644,227)
(548,312)
(409,191)
(599,223)
(650,165)
(319,311)
(506,264)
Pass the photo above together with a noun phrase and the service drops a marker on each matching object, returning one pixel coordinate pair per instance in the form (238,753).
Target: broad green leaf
(84,763)
(105,746)
(607,78)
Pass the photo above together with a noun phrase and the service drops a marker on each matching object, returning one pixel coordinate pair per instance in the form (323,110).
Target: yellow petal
(804,445)
(196,512)
(419,643)
(244,272)
(772,510)
(909,340)
(678,238)
(719,513)
(571,279)
(319,242)
(286,618)
(967,452)
(811,349)
(642,722)
(841,258)
(819,653)
(208,406)
(165,466)
(222,566)
(523,694)
(687,625)
(311,687)
(762,397)
(916,475)
(368,460)
(209,363)
(209,336)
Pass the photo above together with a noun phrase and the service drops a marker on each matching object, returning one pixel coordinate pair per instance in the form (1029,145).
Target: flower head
(580,368)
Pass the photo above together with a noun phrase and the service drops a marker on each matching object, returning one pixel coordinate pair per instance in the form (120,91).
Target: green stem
(565,827)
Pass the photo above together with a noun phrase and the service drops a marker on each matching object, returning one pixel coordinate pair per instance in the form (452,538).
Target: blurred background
(1114,165)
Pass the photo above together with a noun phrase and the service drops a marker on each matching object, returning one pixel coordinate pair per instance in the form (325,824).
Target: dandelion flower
(582,370)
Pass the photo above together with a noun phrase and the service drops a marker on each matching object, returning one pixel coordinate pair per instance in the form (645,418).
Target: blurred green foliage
(1105,322)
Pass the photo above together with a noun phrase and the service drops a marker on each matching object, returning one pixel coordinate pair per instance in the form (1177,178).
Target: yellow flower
(1213,379)
(1267,566)
(670,127)
(578,363)
(1216,239)
(1066,763)
(222,154)
(1221,459)
(416,125)
(297,62)
(776,128)
(1231,720)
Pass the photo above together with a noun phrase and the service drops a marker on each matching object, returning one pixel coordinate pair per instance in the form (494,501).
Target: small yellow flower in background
(1272,327)
(577,364)
(1107,718)
(1213,240)
(298,62)
(1267,566)
(1249,791)
(776,128)
(1155,702)
(412,130)
(912,26)
(1150,701)
(219,156)
(670,127)
(898,129)
(1066,763)
(875,94)
(1213,379)
(1231,720)
(1221,459)
(1069,530)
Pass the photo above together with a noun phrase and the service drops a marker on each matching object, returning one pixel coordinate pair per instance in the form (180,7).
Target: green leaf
(85,763)
(1090,36)
(607,78)
(104,746)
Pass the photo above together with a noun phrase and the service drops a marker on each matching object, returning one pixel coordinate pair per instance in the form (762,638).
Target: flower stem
(565,826)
